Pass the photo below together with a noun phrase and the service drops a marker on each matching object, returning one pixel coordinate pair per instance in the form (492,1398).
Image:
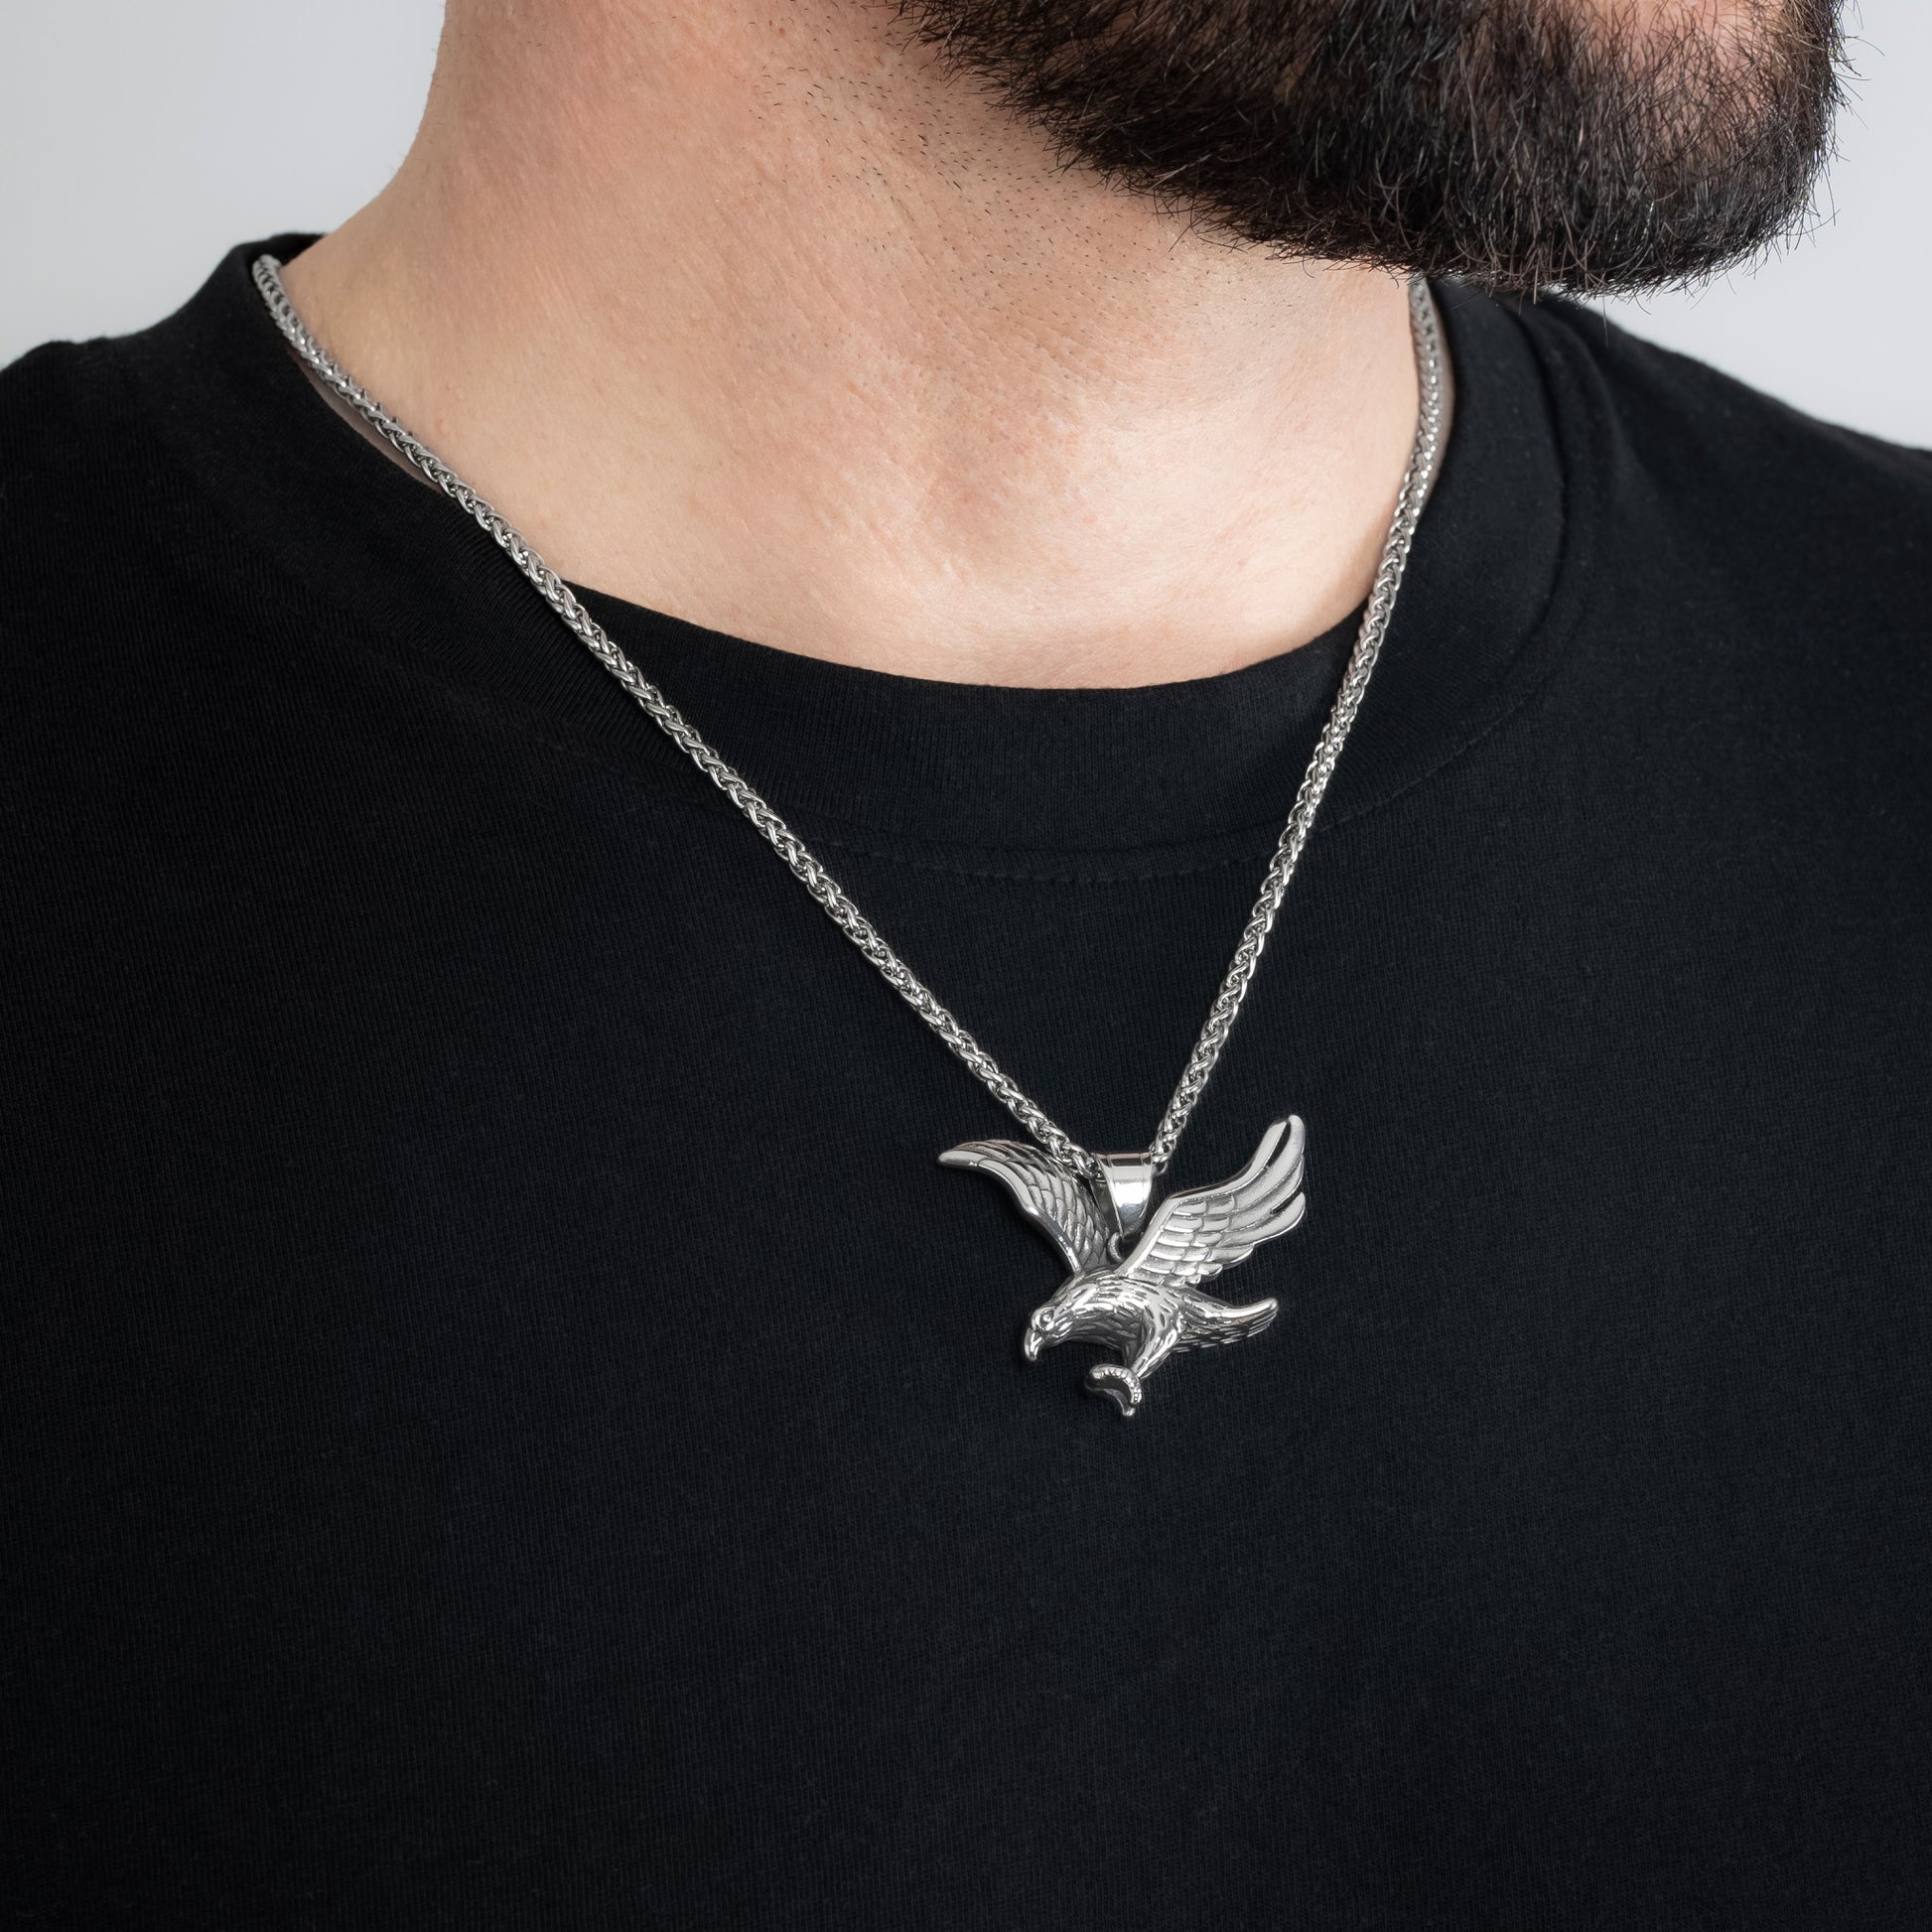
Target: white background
(141,138)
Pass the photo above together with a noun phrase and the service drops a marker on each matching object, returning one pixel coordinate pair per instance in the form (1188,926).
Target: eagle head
(1050,1325)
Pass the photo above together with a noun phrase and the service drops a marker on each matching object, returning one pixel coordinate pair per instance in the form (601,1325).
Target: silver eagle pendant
(1136,1281)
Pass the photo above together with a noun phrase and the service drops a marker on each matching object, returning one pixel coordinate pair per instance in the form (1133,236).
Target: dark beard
(1522,144)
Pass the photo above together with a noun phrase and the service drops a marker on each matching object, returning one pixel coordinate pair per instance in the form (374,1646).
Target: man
(513,1421)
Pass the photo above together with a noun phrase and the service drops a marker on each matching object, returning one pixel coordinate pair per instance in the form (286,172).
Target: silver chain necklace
(1136,1273)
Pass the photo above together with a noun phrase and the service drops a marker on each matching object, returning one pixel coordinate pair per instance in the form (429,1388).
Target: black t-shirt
(508,1423)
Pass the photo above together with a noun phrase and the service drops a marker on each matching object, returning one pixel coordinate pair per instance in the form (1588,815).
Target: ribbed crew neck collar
(1157,766)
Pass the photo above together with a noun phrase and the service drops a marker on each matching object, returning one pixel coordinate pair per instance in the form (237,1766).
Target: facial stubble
(1522,144)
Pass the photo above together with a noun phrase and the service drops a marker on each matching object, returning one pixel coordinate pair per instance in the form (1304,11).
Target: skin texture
(779,319)
(773,324)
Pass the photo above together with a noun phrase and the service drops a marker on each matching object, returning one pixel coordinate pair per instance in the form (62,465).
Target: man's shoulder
(123,543)
(1750,568)
(1712,442)
(89,475)
(69,420)
(96,615)
(1783,539)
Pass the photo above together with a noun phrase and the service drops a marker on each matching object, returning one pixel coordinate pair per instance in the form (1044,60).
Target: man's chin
(1521,144)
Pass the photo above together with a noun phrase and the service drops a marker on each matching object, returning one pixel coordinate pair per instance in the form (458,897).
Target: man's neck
(788,332)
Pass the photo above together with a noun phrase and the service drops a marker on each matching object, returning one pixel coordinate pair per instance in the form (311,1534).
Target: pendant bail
(1130,1189)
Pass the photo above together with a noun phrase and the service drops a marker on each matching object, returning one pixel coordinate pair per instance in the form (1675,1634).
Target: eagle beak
(1030,1347)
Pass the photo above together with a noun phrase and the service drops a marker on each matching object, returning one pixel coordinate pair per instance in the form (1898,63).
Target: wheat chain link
(830,896)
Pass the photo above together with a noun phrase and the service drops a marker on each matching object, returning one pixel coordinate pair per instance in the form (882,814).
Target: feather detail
(1057,1205)
(1197,1234)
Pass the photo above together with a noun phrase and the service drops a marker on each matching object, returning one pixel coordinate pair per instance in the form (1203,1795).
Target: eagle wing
(1054,1202)
(1194,1235)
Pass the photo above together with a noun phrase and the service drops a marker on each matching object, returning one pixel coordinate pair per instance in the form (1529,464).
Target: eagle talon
(1120,1384)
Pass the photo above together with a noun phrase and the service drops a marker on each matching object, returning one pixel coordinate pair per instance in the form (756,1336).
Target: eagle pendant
(1137,1275)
